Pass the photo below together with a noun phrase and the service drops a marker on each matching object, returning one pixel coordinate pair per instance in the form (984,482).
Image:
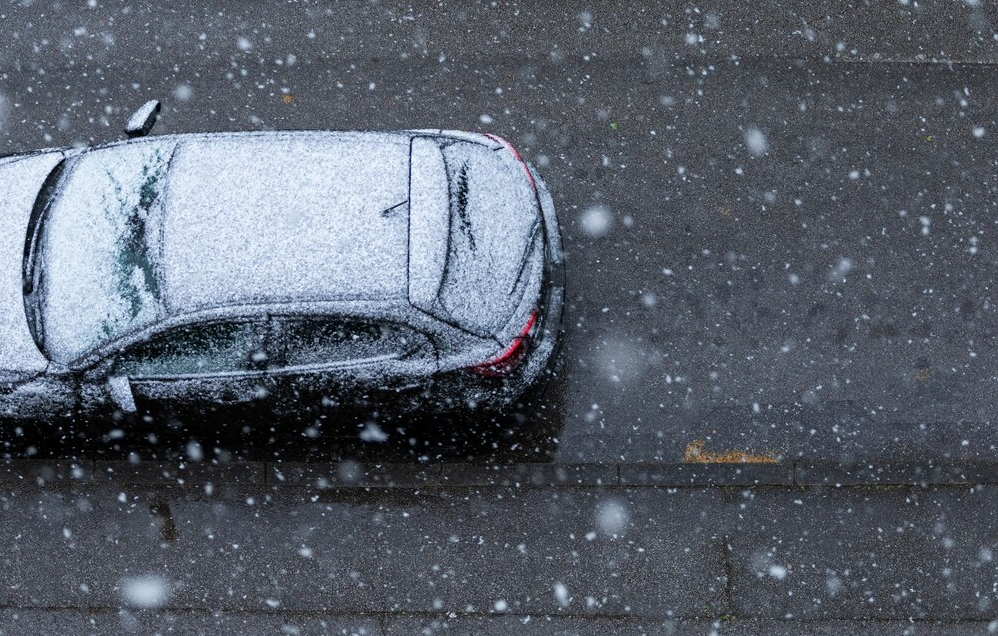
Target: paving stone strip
(354,474)
(727,554)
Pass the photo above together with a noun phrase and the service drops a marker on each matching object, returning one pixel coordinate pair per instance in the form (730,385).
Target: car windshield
(96,270)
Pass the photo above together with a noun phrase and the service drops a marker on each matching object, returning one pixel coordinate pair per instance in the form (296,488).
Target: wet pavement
(779,232)
(289,546)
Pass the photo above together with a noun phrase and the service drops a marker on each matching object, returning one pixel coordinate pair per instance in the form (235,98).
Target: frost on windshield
(134,269)
(100,239)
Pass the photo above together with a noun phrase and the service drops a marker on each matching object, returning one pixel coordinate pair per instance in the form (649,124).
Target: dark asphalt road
(799,264)
(842,276)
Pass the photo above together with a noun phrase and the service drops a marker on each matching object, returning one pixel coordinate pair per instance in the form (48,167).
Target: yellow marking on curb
(695,454)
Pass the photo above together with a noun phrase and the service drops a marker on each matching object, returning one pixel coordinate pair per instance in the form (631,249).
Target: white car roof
(285,217)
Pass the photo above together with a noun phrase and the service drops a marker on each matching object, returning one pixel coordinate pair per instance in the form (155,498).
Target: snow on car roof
(285,218)
(165,226)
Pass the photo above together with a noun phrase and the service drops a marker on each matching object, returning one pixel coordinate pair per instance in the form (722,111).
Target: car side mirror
(141,122)
(121,393)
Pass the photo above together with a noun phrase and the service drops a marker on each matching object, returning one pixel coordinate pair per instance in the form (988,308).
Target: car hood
(20,180)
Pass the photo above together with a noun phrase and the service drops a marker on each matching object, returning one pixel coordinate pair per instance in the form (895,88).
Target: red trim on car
(509,146)
(511,357)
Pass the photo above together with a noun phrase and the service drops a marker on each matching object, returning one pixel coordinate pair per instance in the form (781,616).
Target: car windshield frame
(30,272)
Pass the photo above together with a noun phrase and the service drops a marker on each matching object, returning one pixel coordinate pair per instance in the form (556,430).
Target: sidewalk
(660,559)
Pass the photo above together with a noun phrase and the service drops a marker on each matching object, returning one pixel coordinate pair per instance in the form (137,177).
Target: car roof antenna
(141,122)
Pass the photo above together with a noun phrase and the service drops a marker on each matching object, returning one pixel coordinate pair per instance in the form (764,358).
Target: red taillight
(511,357)
(508,146)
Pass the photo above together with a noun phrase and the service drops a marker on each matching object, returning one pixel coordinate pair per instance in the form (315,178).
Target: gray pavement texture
(780,223)
(483,558)
(354,475)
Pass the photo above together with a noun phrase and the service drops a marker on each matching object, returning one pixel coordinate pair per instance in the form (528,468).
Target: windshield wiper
(30,275)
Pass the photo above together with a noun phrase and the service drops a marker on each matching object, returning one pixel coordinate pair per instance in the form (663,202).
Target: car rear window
(318,341)
(493,217)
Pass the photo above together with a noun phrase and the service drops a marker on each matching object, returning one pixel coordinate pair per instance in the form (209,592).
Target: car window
(223,347)
(494,218)
(311,341)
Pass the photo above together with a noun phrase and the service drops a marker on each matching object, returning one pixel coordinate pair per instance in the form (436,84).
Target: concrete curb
(113,620)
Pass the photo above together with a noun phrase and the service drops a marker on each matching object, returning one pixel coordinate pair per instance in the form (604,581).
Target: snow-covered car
(394,271)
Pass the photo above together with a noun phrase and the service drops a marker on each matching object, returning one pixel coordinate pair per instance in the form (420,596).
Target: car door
(45,397)
(324,365)
(203,368)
